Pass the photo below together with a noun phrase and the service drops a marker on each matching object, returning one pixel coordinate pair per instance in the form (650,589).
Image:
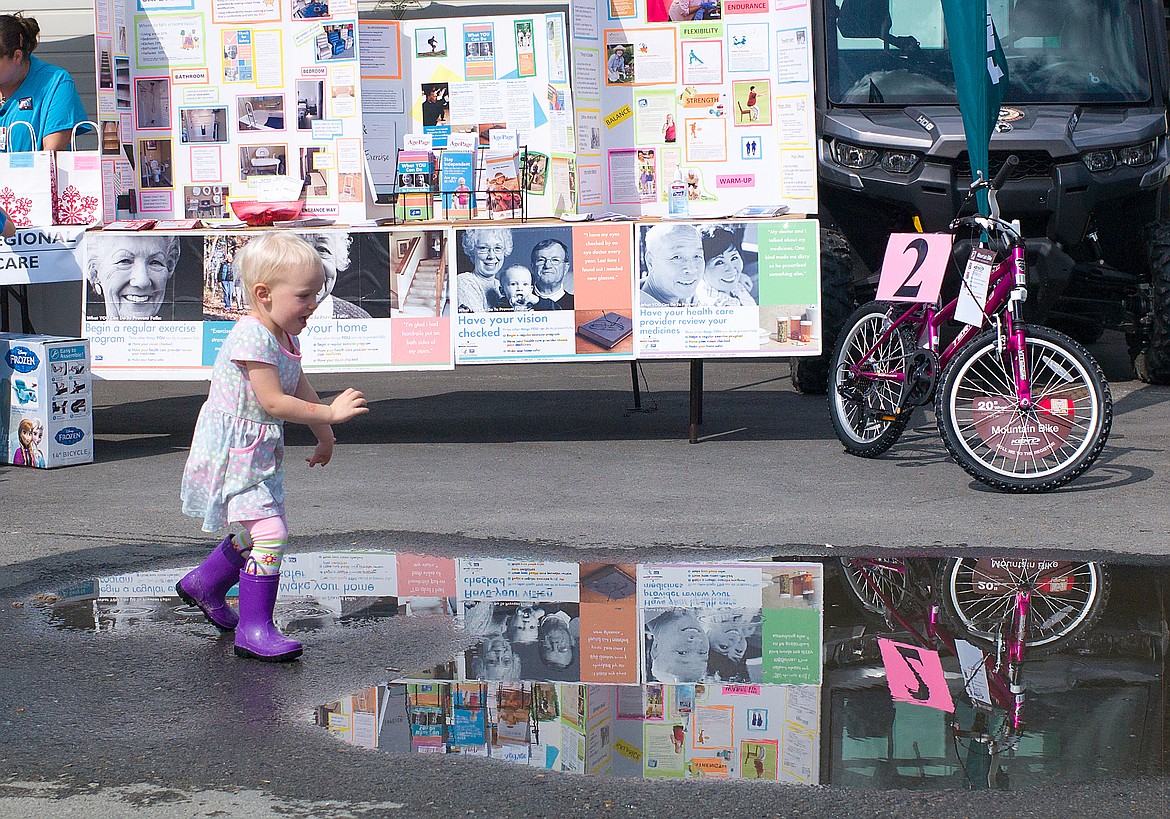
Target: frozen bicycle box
(47,401)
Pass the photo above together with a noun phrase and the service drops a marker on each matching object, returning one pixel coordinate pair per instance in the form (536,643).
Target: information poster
(381,307)
(736,623)
(463,82)
(544,292)
(705,92)
(728,288)
(229,95)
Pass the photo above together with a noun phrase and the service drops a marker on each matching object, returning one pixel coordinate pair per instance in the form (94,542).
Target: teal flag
(981,78)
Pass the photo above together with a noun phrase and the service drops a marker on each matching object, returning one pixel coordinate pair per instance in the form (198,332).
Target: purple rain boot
(207,585)
(257,636)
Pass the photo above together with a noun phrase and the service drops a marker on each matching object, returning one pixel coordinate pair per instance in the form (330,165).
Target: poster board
(584,267)
(204,101)
(471,77)
(381,310)
(717,94)
(724,288)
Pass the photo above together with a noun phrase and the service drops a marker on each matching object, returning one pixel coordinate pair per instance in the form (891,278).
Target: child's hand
(347,405)
(322,454)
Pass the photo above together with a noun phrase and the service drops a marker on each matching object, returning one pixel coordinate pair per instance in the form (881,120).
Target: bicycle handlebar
(990,224)
(1001,177)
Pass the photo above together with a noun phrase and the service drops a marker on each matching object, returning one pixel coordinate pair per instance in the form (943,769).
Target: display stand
(416,203)
(20,293)
(696,398)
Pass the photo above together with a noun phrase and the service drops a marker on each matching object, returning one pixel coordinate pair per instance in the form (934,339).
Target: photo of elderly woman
(143,278)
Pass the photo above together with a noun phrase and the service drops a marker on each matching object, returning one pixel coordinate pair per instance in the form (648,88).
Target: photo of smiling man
(672,265)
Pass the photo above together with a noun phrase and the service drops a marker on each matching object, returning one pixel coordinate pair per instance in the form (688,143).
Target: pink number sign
(913,267)
(915,675)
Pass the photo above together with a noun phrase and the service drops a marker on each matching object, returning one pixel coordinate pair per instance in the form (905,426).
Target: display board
(158,305)
(202,101)
(716,95)
(475,76)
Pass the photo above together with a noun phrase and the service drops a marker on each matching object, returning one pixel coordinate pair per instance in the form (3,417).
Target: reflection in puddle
(790,671)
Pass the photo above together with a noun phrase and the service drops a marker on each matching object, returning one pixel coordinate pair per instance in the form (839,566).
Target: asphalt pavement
(517,460)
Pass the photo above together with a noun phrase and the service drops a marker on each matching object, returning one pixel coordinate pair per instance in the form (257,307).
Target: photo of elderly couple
(514,269)
(192,278)
(529,641)
(682,265)
(703,645)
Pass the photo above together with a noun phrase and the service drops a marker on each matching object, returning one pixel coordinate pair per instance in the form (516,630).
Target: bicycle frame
(1004,669)
(1007,287)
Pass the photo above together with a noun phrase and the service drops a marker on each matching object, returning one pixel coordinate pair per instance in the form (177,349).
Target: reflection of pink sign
(425,576)
(915,675)
(1022,436)
(913,267)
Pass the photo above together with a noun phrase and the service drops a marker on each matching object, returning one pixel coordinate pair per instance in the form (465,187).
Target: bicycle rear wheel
(1067,597)
(866,408)
(1016,449)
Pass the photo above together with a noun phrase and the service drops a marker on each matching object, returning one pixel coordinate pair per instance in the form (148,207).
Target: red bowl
(262,214)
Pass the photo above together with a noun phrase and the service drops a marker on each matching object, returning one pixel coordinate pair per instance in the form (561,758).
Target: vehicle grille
(1032,164)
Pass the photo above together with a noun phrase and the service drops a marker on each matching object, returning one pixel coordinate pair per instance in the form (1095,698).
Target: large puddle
(786,670)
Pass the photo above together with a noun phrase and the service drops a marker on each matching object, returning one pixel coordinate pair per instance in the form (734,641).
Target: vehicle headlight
(1137,155)
(896,162)
(854,156)
(1099,160)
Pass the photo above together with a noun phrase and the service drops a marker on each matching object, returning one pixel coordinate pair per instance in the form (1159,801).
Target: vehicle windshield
(895,52)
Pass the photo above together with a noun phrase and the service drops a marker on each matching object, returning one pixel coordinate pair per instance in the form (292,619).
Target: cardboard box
(46,401)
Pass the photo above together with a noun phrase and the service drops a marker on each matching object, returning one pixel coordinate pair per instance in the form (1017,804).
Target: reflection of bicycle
(1021,408)
(1002,608)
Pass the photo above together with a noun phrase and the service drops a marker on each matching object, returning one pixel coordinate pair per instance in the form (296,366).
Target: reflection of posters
(663,748)
(758,759)
(479,51)
(525,49)
(747,47)
(735,623)
(702,62)
(711,728)
(792,55)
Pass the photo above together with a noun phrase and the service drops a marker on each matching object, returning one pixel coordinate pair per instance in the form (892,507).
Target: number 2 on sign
(913,267)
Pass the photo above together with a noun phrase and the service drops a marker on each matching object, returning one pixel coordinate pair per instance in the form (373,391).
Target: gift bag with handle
(27,184)
(79,183)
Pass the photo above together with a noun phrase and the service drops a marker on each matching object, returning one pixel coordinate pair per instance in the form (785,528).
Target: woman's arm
(6,226)
(58,141)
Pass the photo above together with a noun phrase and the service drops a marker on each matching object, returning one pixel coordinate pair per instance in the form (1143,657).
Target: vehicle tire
(868,414)
(1058,438)
(1152,364)
(1068,597)
(810,374)
(894,582)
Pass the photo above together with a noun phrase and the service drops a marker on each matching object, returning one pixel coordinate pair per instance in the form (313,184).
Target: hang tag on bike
(974,664)
(913,267)
(973,293)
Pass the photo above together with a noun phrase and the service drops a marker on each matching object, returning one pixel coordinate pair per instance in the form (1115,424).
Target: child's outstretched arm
(304,406)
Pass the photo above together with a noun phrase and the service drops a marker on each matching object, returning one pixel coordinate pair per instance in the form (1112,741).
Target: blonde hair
(264,259)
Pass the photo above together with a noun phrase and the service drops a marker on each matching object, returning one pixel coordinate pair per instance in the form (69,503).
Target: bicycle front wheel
(1018,449)
(866,406)
(1067,597)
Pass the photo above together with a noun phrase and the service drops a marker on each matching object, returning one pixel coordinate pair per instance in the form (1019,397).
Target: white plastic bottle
(678,204)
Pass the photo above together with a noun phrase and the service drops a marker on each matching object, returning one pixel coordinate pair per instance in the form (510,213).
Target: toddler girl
(234,472)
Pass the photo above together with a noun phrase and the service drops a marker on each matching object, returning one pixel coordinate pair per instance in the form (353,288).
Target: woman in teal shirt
(33,91)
